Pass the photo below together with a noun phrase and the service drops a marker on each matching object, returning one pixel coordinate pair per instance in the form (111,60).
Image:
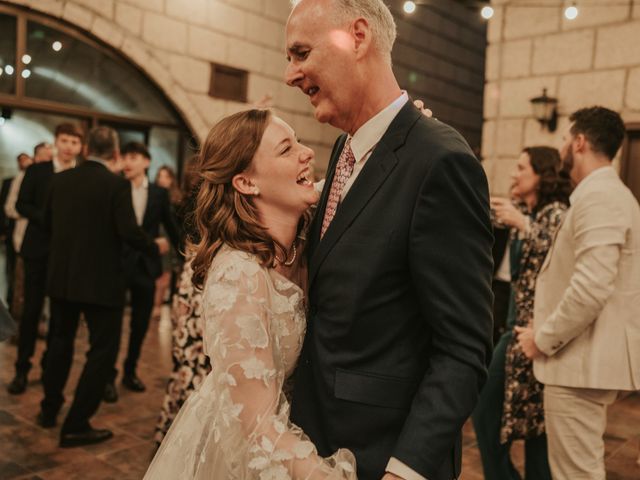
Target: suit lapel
(378,167)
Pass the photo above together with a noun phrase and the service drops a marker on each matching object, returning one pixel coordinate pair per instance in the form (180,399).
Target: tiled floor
(28,452)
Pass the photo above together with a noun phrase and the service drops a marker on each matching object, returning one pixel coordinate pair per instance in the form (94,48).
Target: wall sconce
(545,111)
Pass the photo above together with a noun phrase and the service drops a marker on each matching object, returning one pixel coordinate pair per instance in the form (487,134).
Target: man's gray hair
(375,12)
(103,143)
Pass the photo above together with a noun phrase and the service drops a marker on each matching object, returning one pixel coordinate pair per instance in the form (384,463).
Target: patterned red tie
(344,169)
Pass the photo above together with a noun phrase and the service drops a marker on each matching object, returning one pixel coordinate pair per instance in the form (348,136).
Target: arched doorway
(51,72)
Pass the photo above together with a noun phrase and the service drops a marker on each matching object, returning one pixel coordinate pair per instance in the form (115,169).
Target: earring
(256,191)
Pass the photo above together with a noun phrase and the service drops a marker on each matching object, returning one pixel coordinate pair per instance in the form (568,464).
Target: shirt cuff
(401,470)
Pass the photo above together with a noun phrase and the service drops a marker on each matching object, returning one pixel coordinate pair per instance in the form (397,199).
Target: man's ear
(361,32)
(244,185)
(580,142)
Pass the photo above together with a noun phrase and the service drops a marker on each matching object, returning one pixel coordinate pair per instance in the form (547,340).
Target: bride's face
(281,171)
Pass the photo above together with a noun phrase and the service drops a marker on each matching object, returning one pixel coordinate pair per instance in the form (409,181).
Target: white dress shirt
(57,166)
(11,212)
(140,196)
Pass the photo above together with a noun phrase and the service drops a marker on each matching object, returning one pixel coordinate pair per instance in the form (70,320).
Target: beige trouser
(575,420)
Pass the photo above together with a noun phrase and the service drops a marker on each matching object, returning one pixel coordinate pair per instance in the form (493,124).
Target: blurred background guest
(171,264)
(43,152)
(35,245)
(152,210)
(8,217)
(510,405)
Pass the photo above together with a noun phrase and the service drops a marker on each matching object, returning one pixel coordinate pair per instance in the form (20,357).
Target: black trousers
(142,289)
(105,325)
(11,258)
(35,280)
(501,297)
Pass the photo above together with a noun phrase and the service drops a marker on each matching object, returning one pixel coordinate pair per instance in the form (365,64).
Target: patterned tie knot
(343,172)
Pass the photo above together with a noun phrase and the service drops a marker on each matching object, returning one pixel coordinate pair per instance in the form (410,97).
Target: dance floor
(28,452)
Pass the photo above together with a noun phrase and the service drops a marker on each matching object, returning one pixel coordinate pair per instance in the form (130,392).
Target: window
(228,83)
(7,54)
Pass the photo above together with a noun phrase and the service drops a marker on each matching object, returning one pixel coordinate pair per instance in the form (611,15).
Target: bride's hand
(425,111)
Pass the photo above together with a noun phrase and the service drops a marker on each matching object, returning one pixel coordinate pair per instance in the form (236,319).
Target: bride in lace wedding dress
(251,205)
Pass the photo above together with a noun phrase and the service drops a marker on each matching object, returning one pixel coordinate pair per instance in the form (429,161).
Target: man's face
(322,62)
(43,153)
(24,161)
(135,165)
(68,147)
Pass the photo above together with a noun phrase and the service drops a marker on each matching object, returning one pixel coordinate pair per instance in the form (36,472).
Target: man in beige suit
(585,340)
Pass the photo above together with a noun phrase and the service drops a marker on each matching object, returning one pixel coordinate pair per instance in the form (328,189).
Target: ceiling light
(26,73)
(8,70)
(571,13)
(57,46)
(26,59)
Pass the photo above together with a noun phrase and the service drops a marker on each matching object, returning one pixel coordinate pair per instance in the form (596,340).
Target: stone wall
(174,41)
(594,59)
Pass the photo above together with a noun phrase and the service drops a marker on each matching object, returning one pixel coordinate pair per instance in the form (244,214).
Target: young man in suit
(399,325)
(7,222)
(90,216)
(35,245)
(585,340)
(152,208)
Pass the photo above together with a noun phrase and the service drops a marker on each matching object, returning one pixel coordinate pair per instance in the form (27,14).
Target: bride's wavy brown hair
(222,214)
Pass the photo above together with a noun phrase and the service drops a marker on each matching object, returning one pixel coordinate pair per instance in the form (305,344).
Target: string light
(8,70)
(57,46)
(26,59)
(486,12)
(409,7)
(571,12)
(26,73)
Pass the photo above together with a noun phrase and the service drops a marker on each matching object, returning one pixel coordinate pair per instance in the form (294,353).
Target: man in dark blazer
(153,209)
(35,246)
(90,216)
(399,325)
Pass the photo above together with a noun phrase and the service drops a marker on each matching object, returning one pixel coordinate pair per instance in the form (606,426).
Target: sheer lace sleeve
(244,338)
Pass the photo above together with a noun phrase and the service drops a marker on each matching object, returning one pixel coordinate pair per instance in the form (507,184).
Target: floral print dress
(190,364)
(523,413)
(236,424)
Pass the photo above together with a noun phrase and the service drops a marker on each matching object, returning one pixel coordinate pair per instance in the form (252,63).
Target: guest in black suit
(35,246)
(152,208)
(7,224)
(90,215)
(399,325)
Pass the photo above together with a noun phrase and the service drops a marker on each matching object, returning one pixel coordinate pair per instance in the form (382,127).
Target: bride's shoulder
(233,265)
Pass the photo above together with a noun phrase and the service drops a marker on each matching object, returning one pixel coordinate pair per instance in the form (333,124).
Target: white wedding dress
(236,425)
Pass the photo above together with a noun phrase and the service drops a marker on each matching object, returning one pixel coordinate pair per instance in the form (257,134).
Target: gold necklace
(288,263)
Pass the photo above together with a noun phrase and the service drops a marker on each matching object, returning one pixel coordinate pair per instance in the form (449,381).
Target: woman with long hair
(250,215)
(510,405)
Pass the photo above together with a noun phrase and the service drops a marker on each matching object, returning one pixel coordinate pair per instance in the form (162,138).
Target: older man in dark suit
(90,216)
(399,329)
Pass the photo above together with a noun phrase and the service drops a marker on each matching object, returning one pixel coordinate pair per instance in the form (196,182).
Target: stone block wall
(594,59)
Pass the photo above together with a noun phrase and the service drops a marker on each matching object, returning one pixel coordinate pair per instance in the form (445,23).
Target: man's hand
(163,245)
(526,340)
(391,476)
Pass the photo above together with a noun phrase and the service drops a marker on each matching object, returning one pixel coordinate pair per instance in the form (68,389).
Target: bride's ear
(244,185)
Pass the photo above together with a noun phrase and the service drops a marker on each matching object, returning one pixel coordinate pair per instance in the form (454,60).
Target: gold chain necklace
(288,263)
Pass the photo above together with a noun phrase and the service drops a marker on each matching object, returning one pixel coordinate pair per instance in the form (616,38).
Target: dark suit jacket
(30,204)
(158,212)
(90,215)
(6,223)
(399,329)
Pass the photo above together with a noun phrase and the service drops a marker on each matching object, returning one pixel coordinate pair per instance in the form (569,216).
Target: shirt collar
(597,173)
(143,186)
(369,134)
(57,166)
